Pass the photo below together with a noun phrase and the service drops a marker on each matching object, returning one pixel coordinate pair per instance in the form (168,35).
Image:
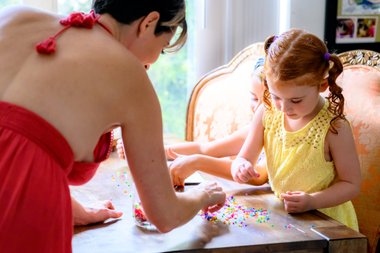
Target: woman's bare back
(75,89)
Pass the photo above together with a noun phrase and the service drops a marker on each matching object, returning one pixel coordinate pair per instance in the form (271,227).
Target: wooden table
(275,231)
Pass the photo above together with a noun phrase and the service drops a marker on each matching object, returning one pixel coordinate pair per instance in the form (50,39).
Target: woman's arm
(143,142)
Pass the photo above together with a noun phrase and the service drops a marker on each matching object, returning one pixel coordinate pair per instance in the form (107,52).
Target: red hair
(297,53)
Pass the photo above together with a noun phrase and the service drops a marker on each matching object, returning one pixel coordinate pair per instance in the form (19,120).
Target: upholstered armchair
(360,81)
(219,105)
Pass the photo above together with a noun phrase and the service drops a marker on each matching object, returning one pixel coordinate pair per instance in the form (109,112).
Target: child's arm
(183,166)
(347,184)
(227,146)
(241,168)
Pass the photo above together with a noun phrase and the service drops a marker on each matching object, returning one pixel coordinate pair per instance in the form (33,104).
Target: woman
(65,84)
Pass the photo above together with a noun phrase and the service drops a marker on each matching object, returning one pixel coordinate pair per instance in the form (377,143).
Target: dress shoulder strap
(75,19)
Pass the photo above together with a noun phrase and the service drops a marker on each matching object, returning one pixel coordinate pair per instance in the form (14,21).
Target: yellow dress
(296,162)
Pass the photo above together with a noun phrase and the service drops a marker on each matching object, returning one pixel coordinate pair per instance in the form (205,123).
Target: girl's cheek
(277,104)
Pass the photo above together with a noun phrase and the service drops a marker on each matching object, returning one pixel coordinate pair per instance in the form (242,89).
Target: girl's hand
(297,201)
(242,170)
(181,168)
(120,149)
(170,154)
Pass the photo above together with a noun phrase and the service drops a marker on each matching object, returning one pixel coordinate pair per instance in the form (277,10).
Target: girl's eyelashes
(274,97)
(254,98)
(294,101)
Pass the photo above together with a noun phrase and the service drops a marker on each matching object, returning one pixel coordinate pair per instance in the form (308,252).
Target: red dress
(36,167)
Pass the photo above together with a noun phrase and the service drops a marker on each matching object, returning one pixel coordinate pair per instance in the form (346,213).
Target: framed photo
(352,24)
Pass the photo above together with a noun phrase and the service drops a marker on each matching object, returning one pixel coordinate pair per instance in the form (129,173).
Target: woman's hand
(170,154)
(182,167)
(85,215)
(216,196)
(297,201)
(242,170)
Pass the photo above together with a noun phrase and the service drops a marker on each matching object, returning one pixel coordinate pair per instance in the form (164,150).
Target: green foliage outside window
(170,79)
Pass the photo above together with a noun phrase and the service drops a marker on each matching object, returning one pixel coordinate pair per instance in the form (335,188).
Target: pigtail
(269,42)
(266,97)
(335,97)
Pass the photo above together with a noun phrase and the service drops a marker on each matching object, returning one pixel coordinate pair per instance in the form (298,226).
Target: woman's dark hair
(172,15)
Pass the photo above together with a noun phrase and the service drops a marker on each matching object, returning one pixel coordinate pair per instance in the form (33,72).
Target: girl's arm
(347,184)
(183,166)
(241,168)
(227,146)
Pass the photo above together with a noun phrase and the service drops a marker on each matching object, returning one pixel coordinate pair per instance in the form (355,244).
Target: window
(171,77)
(68,6)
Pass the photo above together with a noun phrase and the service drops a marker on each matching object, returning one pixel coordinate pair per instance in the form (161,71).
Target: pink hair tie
(326,56)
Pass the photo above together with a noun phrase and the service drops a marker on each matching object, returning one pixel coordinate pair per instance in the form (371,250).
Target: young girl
(213,157)
(309,147)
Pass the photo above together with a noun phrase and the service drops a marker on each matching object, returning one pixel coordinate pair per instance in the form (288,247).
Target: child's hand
(120,149)
(170,154)
(297,201)
(242,170)
(182,167)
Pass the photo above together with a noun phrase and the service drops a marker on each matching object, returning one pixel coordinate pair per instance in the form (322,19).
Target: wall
(224,27)
(313,20)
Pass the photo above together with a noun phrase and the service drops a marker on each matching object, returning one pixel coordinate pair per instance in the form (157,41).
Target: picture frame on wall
(352,24)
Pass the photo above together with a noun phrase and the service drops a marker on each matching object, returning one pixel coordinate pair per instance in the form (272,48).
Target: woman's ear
(149,23)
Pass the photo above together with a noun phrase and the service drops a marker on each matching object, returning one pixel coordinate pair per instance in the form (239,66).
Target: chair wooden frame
(360,57)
